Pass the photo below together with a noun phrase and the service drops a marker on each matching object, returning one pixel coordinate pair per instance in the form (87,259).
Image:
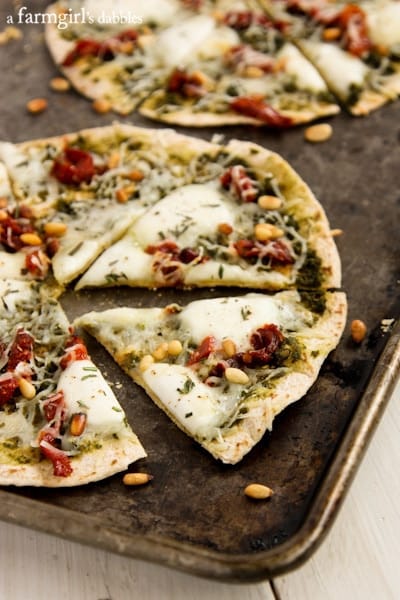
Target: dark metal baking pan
(194,516)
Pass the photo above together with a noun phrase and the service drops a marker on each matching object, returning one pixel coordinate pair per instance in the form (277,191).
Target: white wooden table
(359,560)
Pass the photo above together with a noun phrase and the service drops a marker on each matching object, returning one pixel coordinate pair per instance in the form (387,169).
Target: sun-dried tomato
(61,463)
(237,180)
(207,346)
(73,167)
(189,85)
(256,108)
(353,22)
(8,385)
(265,341)
(37,264)
(21,350)
(11,229)
(75,349)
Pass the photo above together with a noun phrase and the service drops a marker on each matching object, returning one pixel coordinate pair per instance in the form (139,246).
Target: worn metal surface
(194,516)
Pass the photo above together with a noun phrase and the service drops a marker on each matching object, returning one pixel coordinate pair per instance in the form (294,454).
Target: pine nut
(331,33)
(135,175)
(267,231)
(225,228)
(229,348)
(174,347)
(59,84)
(30,239)
(55,229)
(146,362)
(13,33)
(161,351)
(136,478)
(257,491)
(123,194)
(113,160)
(318,133)
(3,202)
(101,105)
(253,72)
(36,105)
(234,375)
(358,330)
(336,232)
(269,202)
(26,388)
(3,215)
(78,424)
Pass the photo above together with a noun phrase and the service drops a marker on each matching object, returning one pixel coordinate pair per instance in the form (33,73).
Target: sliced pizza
(255,225)
(354,45)
(223,368)
(243,71)
(105,177)
(60,423)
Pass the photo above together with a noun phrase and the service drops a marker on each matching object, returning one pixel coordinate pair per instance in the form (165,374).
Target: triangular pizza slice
(60,423)
(223,368)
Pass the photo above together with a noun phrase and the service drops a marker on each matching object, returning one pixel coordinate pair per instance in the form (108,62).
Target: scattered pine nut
(3,215)
(55,228)
(336,232)
(358,330)
(78,424)
(136,478)
(59,84)
(146,361)
(26,388)
(36,105)
(318,133)
(30,239)
(267,231)
(113,160)
(234,375)
(174,347)
(229,348)
(257,491)
(269,202)
(101,105)
(3,202)
(161,351)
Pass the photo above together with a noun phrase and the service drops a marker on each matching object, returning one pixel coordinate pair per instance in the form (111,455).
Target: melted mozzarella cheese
(13,293)
(307,76)
(177,42)
(85,390)
(220,40)
(159,11)
(184,215)
(236,318)
(12,266)
(201,410)
(340,69)
(383,22)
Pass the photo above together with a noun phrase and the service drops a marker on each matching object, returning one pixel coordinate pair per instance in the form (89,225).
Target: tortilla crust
(113,457)
(371,100)
(235,441)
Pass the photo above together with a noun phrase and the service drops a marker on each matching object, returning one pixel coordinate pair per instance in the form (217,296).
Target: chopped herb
(75,249)
(221,272)
(82,404)
(245,312)
(189,414)
(116,408)
(187,386)
(88,376)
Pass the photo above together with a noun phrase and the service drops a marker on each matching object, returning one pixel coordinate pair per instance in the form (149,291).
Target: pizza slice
(105,177)
(255,225)
(223,368)
(60,423)
(354,45)
(108,53)
(243,71)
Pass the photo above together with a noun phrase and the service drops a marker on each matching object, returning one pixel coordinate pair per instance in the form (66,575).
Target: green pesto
(11,453)
(310,274)
(314,301)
